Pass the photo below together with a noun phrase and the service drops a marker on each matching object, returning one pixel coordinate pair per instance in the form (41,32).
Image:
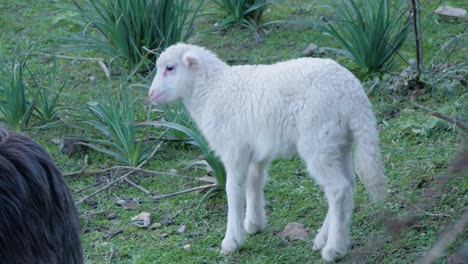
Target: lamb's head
(176,68)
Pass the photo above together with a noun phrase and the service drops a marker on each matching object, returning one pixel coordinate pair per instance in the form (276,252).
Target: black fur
(39,222)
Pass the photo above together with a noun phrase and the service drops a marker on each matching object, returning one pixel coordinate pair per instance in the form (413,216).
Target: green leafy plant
(49,91)
(17,102)
(198,141)
(136,29)
(113,117)
(242,12)
(370,31)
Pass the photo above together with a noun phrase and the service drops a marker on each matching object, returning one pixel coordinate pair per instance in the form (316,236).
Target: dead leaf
(295,231)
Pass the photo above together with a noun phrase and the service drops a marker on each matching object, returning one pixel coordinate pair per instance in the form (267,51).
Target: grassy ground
(417,149)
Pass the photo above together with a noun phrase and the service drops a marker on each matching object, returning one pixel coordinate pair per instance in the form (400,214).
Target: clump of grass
(369,31)
(242,12)
(138,29)
(16,101)
(114,118)
(49,92)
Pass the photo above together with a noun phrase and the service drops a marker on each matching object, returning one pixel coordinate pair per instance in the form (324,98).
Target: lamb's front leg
(235,190)
(255,219)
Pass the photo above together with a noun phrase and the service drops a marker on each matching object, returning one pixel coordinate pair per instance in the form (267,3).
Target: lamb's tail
(368,161)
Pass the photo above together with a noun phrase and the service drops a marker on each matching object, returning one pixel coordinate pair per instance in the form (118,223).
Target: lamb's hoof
(252,227)
(319,242)
(332,254)
(230,245)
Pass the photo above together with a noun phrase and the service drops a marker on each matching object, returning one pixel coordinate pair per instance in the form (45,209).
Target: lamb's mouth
(154,99)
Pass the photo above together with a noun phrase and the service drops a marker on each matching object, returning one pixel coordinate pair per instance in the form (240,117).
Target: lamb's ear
(191,59)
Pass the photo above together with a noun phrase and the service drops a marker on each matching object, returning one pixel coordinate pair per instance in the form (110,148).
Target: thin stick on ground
(87,188)
(122,177)
(160,197)
(457,122)
(446,239)
(137,186)
(109,259)
(98,213)
(117,168)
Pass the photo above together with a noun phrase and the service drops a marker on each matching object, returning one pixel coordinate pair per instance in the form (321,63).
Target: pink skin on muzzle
(155,97)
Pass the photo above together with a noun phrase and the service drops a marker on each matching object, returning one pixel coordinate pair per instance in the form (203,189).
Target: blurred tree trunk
(417,36)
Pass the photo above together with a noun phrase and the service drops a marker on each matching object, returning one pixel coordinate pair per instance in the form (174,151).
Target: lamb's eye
(170,68)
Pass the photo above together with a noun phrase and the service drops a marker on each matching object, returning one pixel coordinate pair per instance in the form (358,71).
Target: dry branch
(446,239)
(100,61)
(117,168)
(122,177)
(156,198)
(457,122)
(137,186)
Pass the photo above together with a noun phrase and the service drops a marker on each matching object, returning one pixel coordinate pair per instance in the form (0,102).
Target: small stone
(111,216)
(131,205)
(120,201)
(164,235)
(295,231)
(155,226)
(142,220)
(187,246)
(128,204)
(449,11)
(311,49)
(182,229)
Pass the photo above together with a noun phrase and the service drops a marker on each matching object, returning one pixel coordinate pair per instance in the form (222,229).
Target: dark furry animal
(39,222)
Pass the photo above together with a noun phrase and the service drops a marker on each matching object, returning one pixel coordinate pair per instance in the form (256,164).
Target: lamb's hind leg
(236,166)
(321,239)
(255,219)
(329,168)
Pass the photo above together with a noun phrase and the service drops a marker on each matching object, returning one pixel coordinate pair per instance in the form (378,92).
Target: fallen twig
(116,168)
(457,122)
(87,188)
(156,198)
(120,231)
(137,186)
(122,177)
(432,214)
(97,213)
(446,239)
(100,61)
(109,259)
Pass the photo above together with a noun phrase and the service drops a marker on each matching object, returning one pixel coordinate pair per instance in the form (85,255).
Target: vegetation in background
(242,12)
(17,100)
(114,119)
(370,31)
(135,30)
(49,91)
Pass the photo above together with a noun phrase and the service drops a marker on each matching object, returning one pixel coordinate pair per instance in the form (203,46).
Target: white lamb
(253,114)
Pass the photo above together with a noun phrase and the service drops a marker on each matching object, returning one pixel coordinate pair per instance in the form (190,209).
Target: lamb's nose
(151,93)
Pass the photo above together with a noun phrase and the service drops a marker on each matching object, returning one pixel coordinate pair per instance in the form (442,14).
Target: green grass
(417,149)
